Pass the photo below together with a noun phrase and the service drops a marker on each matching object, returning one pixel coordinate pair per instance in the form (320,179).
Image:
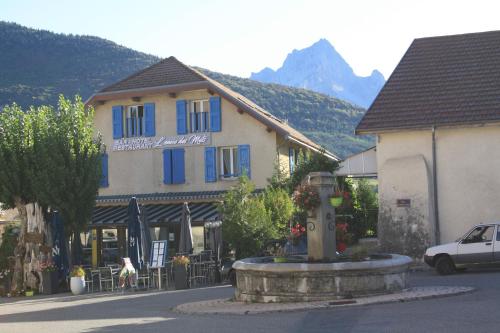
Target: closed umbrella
(186,236)
(59,250)
(134,234)
(145,236)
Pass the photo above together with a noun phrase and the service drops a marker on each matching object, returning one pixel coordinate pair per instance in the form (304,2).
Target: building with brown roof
(437,121)
(173,134)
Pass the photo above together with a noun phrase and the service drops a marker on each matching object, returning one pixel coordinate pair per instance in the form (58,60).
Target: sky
(240,37)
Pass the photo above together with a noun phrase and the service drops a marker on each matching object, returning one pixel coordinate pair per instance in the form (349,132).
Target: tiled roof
(170,73)
(440,81)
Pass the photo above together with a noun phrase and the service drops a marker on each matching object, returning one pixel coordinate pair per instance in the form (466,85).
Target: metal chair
(144,276)
(89,279)
(106,277)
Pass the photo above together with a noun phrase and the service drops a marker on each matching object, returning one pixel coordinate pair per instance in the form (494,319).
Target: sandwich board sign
(158,257)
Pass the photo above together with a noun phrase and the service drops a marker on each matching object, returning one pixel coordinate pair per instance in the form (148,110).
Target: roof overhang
(129,93)
(427,127)
(315,149)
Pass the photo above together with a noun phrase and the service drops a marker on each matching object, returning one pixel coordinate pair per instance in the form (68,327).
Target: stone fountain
(320,275)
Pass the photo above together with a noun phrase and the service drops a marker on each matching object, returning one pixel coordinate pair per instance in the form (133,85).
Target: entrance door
(477,247)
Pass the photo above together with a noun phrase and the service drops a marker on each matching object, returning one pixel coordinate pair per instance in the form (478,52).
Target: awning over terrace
(156,214)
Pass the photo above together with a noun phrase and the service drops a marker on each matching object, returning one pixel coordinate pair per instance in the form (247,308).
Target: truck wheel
(445,266)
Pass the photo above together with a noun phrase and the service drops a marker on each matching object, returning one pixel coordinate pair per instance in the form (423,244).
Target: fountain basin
(264,281)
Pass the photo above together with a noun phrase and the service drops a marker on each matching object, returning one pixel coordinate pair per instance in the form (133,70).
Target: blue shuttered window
(104,182)
(291,155)
(181,117)
(210,165)
(244,160)
(173,166)
(215,114)
(149,114)
(117,122)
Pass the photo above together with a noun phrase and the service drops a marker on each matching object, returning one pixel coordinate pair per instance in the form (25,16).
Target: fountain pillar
(321,221)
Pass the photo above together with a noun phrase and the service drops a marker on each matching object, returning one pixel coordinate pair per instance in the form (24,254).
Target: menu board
(158,254)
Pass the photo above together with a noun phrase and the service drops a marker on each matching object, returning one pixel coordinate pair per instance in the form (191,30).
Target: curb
(226,306)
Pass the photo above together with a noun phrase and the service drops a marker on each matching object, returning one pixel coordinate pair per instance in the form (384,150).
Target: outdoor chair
(144,276)
(106,277)
(89,279)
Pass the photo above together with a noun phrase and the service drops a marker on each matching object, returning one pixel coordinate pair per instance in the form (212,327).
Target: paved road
(150,312)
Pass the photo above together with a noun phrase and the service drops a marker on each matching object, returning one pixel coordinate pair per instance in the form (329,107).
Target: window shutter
(210,165)
(149,114)
(215,114)
(178,176)
(104,173)
(181,117)
(291,157)
(244,160)
(117,122)
(167,166)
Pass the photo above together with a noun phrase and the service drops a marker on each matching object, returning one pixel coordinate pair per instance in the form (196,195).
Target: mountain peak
(321,68)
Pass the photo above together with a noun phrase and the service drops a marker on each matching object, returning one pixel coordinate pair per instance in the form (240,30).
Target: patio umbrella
(76,249)
(134,234)
(186,236)
(59,250)
(145,235)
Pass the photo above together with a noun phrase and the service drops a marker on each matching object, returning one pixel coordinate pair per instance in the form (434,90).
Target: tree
(280,208)
(52,158)
(17,163)
(71,157)
(247,224)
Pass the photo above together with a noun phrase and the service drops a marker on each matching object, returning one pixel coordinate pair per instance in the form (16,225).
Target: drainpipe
(434,181)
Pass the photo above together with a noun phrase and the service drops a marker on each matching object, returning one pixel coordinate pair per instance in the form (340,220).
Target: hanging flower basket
(306,197)
(336,201)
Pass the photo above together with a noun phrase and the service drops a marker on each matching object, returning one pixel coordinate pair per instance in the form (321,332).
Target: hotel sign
(199,139)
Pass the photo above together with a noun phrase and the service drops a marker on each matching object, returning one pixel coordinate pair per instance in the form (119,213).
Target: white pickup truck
(479,246)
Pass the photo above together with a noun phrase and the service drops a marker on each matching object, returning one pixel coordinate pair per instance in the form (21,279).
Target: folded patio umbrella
(186,236)
(59,250)
(134,234)
(145,236)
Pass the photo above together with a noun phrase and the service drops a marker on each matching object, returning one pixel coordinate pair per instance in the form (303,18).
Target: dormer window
(199,116)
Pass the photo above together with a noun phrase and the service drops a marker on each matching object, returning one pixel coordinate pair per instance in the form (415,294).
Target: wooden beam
(102,102)
(269,129)
(136,99)
(240,111)
(210,91)
(172,95)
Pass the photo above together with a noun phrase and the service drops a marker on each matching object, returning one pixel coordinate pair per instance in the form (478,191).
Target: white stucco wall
(468,174)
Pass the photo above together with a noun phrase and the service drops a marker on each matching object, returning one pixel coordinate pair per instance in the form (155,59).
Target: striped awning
(113,216)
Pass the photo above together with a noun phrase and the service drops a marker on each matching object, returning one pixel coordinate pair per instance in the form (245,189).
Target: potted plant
(50,277)
(77,282)
(343,237)
(306,197)
(338,198)
(180,265)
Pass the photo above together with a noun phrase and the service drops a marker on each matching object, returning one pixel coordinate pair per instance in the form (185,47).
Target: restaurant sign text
(198,139)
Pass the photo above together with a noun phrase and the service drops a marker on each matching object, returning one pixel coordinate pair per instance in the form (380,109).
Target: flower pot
(280,259)
(77,285)
(180,277)
(29,293)
(336,201)
(50,282)
(341,246)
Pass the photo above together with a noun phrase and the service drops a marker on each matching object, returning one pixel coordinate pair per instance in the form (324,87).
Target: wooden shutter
(210,165)
(181,116)
(104,182)
(178,173)
(117,122)
(167,166)
(149,124)
(215,114)
(244,160)
(291,156)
